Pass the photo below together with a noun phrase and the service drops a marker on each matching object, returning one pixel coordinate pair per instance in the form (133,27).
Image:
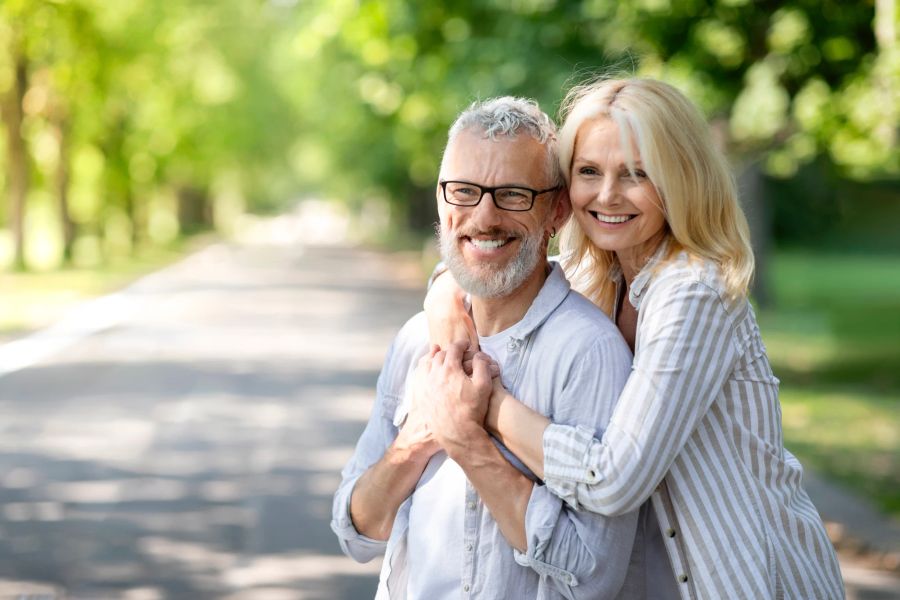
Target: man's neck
(493,315)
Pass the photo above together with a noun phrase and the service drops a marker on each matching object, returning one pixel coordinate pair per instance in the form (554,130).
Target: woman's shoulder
(685,272)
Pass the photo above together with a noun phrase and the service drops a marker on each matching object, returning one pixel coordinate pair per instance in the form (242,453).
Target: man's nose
(486,211)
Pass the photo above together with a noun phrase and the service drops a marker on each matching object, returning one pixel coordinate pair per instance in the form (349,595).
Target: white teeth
(487,244)
(612,219)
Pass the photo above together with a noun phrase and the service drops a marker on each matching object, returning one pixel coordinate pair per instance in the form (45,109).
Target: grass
(834,341)
(33,300)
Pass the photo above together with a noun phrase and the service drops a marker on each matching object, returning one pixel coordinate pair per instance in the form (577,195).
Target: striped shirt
(697,430)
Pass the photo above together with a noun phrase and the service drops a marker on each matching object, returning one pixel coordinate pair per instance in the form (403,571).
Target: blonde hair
(693,179)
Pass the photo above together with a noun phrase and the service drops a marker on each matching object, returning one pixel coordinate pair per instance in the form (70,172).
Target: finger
(497,385)
(467,367)
(438,358)
(469,354)
(456,350)
(481,375)
(433,350)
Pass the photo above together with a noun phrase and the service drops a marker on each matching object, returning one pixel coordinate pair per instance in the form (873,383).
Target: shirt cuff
(357,546)
(541,517)
(566,459)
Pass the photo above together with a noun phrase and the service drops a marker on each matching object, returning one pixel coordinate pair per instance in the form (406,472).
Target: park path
(183,438)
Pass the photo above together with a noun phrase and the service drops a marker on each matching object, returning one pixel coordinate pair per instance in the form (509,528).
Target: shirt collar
(555,289)
(642,279)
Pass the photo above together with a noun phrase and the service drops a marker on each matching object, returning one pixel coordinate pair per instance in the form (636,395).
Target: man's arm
(454,405)
(502,487)
(381,490)
(387,462)
(585,554)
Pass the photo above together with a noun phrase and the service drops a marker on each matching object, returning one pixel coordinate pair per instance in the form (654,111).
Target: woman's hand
(448,319)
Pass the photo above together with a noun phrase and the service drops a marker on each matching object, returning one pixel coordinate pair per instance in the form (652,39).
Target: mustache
(495,232)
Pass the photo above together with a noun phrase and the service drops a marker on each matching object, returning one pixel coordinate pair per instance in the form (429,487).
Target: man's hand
(455,403)
(415,436)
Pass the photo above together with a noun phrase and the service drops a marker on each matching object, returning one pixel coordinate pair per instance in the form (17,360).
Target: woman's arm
(518,427)
(448,317)
(684,355)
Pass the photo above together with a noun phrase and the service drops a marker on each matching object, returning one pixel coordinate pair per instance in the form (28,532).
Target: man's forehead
(471,149)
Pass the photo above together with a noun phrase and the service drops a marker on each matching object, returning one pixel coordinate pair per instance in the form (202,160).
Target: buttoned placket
(470,538)
(668,524)
(515,347)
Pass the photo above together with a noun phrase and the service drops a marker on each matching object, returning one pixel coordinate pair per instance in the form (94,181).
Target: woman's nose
(609,191)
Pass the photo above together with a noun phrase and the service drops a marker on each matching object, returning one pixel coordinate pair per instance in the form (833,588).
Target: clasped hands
(451,396)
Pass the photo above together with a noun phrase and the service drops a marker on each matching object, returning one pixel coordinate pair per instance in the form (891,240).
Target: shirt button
(682,578)
(470,506)
(466,588)
(670,532)
(469,547)
(512,345)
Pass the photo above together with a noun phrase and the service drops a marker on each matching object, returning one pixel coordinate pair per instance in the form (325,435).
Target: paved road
(191,450)
(183,439)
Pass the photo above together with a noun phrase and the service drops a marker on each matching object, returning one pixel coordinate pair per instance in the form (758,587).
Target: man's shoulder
(410,344)
(579,314)
(578,325)
(410,340)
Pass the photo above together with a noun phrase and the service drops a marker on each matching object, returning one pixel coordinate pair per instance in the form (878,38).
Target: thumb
(481,371)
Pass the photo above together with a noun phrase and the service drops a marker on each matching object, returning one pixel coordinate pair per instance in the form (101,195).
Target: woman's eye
(587,171)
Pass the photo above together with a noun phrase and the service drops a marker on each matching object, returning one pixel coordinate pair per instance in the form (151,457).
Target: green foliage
(147,113)
(833,343)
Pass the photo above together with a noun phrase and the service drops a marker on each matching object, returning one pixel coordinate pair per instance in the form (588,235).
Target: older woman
(660,243)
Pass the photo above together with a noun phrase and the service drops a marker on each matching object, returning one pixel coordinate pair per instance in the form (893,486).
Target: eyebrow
(637,164)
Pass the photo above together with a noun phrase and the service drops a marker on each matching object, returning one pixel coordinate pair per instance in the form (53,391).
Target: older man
(455,514)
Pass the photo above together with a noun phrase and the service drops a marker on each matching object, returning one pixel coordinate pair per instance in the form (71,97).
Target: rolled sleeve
(582,555)
(380,431)
(567,460)
(354,544)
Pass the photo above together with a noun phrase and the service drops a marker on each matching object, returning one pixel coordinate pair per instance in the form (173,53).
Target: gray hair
(508,116)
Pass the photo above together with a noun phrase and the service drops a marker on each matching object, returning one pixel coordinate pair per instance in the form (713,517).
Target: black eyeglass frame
(491,190)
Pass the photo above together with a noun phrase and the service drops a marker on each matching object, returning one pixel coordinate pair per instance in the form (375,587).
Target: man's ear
(562,209)
(439,198)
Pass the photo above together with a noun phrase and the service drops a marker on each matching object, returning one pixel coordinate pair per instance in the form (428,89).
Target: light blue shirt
(566,360)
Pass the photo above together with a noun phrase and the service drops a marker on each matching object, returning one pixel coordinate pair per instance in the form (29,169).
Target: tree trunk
(421,211)
(62,190)
(755,202)
(194,210)
(17,156)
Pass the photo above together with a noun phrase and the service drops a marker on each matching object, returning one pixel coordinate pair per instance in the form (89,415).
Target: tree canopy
(127,123)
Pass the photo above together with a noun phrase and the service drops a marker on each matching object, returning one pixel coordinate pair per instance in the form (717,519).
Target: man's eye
(511,194)
(465,191)
(640,174)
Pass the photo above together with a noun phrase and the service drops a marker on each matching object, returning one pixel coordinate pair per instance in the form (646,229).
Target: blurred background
(138,133)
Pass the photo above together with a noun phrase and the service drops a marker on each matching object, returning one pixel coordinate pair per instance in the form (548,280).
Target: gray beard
(487,280)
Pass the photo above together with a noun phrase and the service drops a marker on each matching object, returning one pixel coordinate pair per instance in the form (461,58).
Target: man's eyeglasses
(463,193)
